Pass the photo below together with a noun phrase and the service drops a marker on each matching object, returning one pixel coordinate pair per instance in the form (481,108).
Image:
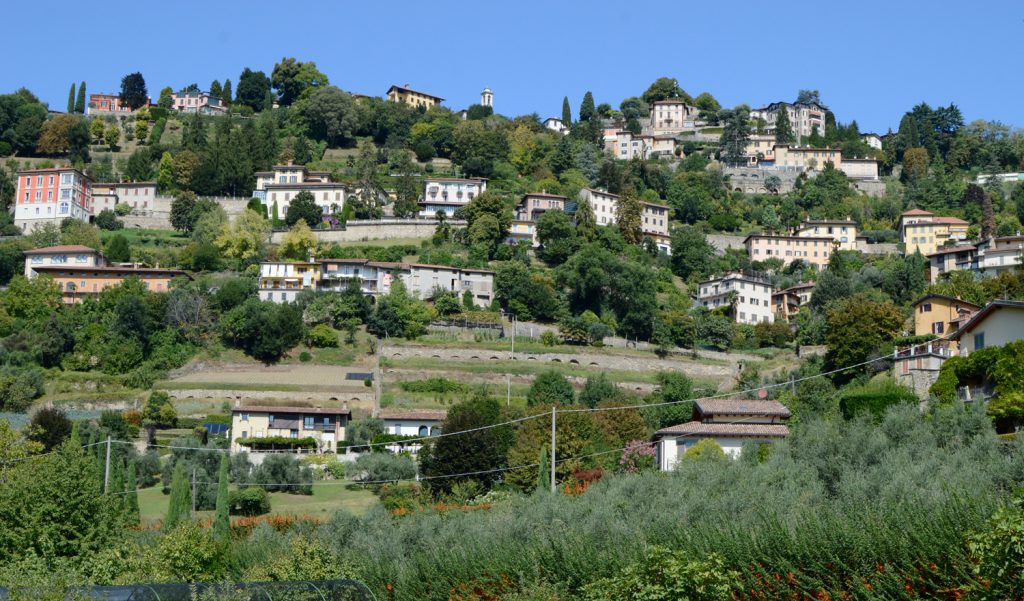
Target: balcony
(940,348)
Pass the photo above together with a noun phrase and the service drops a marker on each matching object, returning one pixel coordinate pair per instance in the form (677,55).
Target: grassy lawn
(147,237)
(326,499)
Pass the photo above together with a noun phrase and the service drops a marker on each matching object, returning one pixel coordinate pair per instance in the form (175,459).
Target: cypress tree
(226,92)
(76,437)
(544,472)
(116,484)
(132,500)
(215,89)
(180,506)
(80,103)
(221,520)
(566,112)
(71,99)
(783,128)
(587,108)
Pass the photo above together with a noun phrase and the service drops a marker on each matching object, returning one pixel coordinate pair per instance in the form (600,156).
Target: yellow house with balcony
(407,95)
(282,281)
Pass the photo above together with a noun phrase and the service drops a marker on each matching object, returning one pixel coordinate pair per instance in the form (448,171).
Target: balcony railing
(933,347)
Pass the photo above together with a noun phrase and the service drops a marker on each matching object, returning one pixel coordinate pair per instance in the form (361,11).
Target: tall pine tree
(71,99)
(783,128)
(80,102)
(132,497)
(629,215)
(221,520)
(587,108)
(566,112)
(179,508)
(225,93)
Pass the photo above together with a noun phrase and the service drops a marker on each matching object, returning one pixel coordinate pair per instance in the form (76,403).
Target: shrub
(19,387)
(277,443)
(998,555)
(284,473)
(305,357)
(50,427)
(435,385)
(549,338)
(323,336)
(874,397)
(550,388)
(705,450)
(668,575)
(249,501)
(107,220)
(383,467)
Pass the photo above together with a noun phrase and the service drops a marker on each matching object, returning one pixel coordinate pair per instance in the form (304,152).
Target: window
(926,308)
(979,341)
(937,327)
(424,431)
(81,258)
(307,422)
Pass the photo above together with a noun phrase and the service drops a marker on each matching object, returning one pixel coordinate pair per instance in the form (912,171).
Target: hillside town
(271,331)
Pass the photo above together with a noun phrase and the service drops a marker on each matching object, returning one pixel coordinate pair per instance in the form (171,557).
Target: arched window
(424,431)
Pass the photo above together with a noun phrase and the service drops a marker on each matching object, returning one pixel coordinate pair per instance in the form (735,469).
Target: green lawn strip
(519,367)
(326,499)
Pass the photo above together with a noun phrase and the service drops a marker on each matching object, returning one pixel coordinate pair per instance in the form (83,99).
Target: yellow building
(844,232)
(927,232)
(282,281)
(941,315)
(413,98)
(325,425)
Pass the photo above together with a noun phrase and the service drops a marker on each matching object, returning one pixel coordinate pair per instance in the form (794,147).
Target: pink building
(814,250)
(50,196)
(197,102)
(101,104)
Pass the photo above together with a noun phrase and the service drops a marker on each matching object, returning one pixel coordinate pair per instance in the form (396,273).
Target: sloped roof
(915,213)
(698,429)
(285,409)
(984,313)
(414,414)
(741,407)
(64,248)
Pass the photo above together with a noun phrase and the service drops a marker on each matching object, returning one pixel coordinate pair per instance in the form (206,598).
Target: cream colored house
(843,232)
(794,158)
(326,425)
(407,95)
(749,296)
(283,183)
(730,423)
(654,221)
(951,258)
(813,250)
(803,118)
(1000,322)
(672,116)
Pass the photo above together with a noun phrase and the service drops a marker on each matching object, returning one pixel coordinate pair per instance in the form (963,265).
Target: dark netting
(323,590)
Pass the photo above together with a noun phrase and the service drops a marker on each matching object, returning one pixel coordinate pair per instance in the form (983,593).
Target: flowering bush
(638,456)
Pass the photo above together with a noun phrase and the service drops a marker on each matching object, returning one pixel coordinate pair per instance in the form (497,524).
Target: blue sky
(872,60)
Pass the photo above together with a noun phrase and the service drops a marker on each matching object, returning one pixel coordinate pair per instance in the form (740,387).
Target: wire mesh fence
(323,590)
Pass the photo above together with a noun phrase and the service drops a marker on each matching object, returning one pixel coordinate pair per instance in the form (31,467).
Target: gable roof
(285,409)
(740,407)
(61,249)
(952,249)
(699,429)
(915,213)
(409,90)
(944,297)
(951,221)
(414,414)
(980,316)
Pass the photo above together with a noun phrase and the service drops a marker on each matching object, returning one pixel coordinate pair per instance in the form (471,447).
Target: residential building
(672,116)
(873,140)
(760,147)
(137,195)
(804,159)
(859,168)
(195,101)
(81,271)
(730,423)
(997,255)
(917,366)
(842,231)
(813,250)
(530,208)
(788,302)
(413,422)
(326,425)
(283,281)
(926,232)
(940,315)
(626,146)
(654,220)
(998,323)
(803,118)
(748,295)
(284,182)
(104,104)
(50,196)
(951,258)
(407,95)
(555,124)
(446,194)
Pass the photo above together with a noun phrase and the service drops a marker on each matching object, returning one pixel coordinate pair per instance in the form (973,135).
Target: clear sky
(871,59)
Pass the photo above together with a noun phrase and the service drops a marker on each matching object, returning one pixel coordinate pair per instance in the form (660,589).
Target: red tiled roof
(951,221)
(952,249)
(285,409)
(915,212)
(698,429)
(741,407)
(64,248)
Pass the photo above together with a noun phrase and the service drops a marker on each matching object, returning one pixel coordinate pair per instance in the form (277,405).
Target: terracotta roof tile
(414,414)
(741,407)
(698,429)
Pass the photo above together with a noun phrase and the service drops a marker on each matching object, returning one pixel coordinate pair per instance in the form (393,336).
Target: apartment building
(859,168)
(760,147)
(626,146)
(137,195)
(796,158)
(446,194)
(842,231)
(654,222)
(672,116)
(325,425)
(802,117)
(997,255)
(282,282)
(731,423)
(927,232)
(195,101)
(750,296)
(873,140)
(789,301)
(951,258)
(81,271)
(407,95)
(50,196)
(813,250)
(283,183)
(530,208)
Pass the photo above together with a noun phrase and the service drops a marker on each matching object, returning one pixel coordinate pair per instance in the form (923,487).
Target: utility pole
(106,468)
(193,490)
(508,394)
(513,337)
(553,458)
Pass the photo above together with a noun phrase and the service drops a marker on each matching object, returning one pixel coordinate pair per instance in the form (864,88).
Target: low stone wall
(723,242)
(384,229)
(883,248)
(619,362)
(811,350)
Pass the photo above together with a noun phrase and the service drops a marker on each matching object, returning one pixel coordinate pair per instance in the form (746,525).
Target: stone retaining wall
(385,229)
(275,395)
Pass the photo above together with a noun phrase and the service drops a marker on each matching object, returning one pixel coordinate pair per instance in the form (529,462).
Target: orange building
(81,271)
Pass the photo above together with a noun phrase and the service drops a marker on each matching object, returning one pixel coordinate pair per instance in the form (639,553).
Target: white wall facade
(753,298)
(1003,326)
